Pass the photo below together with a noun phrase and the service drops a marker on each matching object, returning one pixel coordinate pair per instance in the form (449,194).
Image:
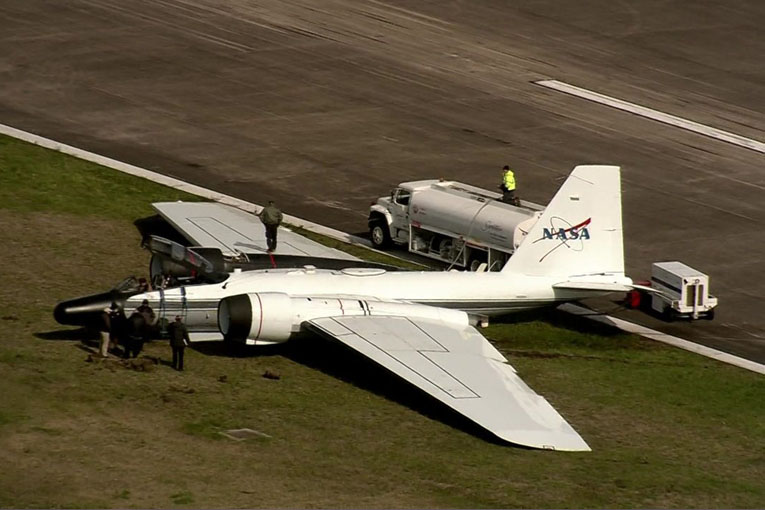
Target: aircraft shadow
(345,364)
(234,350)
(84,335)
(564,320)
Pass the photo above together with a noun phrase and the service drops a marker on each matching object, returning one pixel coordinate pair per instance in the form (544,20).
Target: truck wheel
(475,264)
(710,315)
(380,234)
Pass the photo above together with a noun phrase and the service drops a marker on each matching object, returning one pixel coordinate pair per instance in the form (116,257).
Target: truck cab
(389,216)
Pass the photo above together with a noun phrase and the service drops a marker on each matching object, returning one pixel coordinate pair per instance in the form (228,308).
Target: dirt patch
(142,364)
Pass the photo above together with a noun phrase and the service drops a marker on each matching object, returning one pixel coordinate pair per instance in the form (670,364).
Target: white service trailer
(452,222)
(681,291)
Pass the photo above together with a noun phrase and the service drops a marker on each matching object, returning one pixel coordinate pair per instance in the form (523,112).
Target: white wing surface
(214,225)
(458,366)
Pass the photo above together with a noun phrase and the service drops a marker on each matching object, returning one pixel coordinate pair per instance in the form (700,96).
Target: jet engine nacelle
(271,317)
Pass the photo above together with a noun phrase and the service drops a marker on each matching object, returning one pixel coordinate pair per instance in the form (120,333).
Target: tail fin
(580,232)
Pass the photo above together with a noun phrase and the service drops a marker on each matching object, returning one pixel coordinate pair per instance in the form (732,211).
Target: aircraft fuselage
(489,293)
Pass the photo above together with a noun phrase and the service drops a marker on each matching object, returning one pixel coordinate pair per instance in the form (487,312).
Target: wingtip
(559,442)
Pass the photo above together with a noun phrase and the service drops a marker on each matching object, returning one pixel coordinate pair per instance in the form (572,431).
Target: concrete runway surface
(323,106)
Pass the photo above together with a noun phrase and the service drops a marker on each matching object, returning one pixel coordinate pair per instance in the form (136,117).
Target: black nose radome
(87,310)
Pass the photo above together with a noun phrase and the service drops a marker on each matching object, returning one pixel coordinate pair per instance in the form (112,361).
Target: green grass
(182,498)
(43,180)
(667,428)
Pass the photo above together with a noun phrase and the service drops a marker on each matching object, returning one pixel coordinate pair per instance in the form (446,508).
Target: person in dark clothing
(143,285)
(114,323)
(134,335)
(271,218)
(111,329)
(149,317)
(179,339)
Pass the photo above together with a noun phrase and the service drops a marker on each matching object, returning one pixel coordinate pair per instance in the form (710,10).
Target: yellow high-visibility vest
(509,180)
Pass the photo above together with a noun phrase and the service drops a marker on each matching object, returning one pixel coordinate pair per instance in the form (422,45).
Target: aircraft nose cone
(61,313)
(84,311)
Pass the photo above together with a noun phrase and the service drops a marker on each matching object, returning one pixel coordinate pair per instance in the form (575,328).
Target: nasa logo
(563,234)
(576,232)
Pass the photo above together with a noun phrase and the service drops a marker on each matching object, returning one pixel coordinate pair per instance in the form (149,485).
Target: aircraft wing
(215,225)
(459,367)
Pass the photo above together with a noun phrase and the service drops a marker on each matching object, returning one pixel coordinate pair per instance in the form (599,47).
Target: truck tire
(475,263)
(379,234)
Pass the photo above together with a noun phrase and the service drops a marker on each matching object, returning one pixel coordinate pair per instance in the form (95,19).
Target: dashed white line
(649,113)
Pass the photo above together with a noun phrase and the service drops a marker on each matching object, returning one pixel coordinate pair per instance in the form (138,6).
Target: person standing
(508,186)
(150,318)
(179,339)
(110,330)
(271,218)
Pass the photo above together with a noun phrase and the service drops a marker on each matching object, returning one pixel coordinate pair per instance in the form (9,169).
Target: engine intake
(260,318)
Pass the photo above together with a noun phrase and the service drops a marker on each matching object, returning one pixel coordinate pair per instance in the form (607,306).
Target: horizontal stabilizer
(593,286)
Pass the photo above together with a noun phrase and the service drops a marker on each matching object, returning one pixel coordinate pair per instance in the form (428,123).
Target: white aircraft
(418,324)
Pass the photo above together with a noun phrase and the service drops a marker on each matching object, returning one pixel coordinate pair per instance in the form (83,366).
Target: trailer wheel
(668,314)
(710,315)
(379,233)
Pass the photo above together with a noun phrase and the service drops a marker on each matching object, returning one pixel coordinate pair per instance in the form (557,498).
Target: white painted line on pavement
(342,236)
(666,118)
(674,341)
(179,185)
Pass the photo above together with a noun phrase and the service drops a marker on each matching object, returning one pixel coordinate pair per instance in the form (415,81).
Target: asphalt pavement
(323,106)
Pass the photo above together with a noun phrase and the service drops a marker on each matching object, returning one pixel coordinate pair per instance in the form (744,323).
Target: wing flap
(454,365)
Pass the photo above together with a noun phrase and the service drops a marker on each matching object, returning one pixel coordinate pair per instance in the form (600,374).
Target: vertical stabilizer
(580,232)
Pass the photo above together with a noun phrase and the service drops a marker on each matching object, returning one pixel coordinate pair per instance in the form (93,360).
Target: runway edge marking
(178,184)
(656,115)
(342,236)
(674,341)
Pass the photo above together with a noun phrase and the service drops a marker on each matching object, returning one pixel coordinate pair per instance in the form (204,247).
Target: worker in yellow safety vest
(508,186)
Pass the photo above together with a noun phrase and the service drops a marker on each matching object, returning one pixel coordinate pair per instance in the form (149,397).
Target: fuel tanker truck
(456,223)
